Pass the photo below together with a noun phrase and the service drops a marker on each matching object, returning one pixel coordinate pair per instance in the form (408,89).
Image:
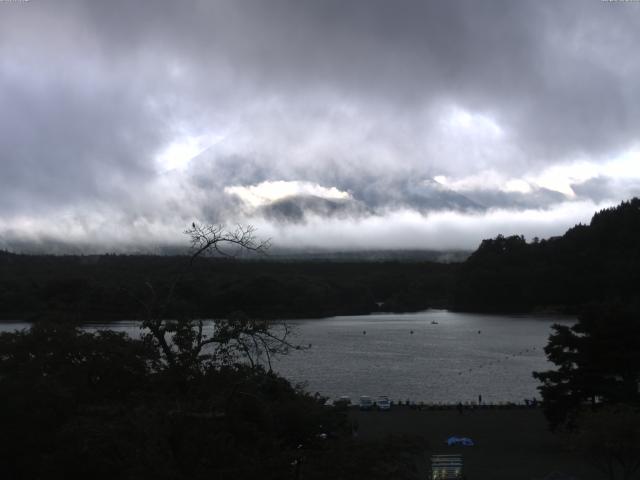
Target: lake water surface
(456,359)
(449,357)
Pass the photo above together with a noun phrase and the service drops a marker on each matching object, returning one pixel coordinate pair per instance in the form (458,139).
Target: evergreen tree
(598,363)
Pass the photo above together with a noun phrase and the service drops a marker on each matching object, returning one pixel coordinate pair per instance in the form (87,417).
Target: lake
(449,357)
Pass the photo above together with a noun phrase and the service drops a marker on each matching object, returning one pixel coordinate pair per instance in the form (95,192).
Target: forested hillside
(599,262)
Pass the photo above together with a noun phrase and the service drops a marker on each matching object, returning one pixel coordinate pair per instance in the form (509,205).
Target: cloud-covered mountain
(122,121)
(295,208)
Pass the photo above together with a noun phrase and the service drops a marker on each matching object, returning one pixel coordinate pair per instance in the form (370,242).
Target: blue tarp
(465,441)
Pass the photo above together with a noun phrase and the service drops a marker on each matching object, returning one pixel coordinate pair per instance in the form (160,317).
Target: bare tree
(189,343)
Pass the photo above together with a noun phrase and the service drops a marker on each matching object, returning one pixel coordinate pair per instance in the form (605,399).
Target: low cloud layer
(372,124)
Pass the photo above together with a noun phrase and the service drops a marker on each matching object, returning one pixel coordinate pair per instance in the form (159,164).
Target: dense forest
(116,286)
(599,262)
(594,263)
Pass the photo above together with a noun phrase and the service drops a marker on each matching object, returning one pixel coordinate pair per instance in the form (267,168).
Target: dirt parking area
(510,444)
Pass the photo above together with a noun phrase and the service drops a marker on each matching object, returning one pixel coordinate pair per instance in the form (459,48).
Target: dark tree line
(106,287)
(599,262)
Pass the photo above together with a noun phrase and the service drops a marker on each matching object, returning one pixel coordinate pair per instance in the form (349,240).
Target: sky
(360,124)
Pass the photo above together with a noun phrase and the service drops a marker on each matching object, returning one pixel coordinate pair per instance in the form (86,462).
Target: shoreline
(33,317)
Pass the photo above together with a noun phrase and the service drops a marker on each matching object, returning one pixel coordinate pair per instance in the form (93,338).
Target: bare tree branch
(232,339)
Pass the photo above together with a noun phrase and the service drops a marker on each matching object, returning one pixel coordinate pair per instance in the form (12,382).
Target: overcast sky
(326,123)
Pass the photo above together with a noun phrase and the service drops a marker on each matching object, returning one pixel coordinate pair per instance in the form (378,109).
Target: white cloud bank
(407,229)
(398,229)
(268,192)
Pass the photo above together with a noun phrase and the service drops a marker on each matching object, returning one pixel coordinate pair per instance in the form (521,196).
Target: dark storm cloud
(560,74)
(417,194)
(381,198)
(67,145)
(296,209)
(537,198)
(374,98)
(604,188)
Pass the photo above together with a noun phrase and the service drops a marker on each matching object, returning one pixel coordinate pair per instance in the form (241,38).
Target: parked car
(366,403)
(383,403)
